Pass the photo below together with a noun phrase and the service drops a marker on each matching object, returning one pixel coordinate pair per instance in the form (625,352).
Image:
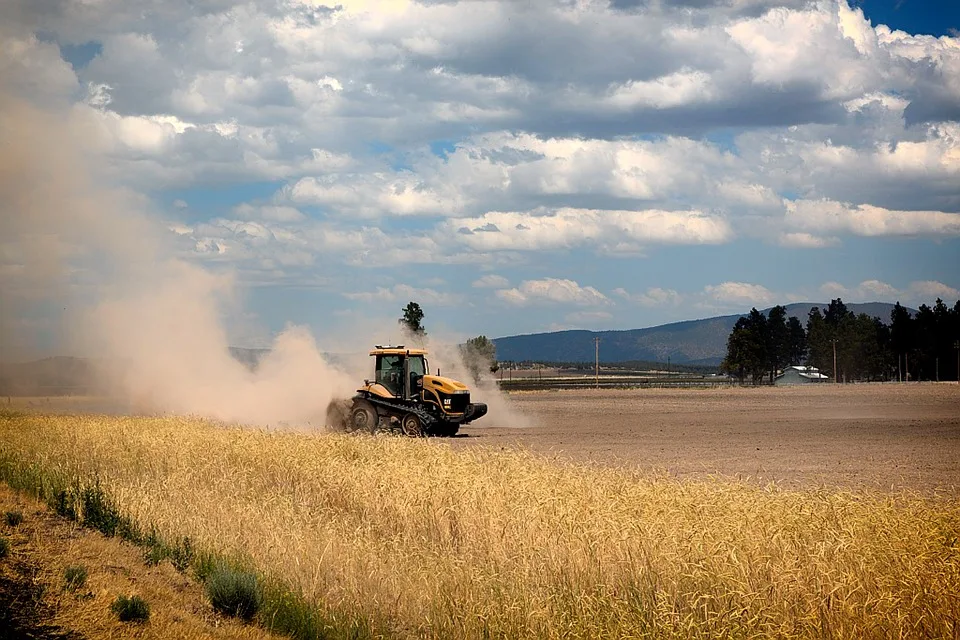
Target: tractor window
(417,366)
(390,372)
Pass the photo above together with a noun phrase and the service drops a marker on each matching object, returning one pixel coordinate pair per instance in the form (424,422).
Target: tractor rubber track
(427,420)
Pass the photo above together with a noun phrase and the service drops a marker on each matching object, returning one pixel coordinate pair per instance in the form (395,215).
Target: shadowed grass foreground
(396,537)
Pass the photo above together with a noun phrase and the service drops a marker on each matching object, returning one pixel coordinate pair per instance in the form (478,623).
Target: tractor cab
(400,371)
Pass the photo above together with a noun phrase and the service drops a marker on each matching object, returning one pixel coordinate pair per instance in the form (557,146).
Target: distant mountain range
(695,342)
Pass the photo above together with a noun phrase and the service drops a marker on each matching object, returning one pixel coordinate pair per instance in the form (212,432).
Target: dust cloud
(87,269)
(445,355)
(84,267)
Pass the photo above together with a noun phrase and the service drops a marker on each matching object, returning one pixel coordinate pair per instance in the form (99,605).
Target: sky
(517,167)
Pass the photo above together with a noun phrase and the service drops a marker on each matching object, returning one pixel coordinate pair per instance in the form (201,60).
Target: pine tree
(412,319)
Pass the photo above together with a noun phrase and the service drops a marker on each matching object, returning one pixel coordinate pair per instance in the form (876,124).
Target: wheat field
(413,539)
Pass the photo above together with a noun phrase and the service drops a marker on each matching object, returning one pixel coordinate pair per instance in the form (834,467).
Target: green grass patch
(180,553)
(4,547)
(75,577)
(154,555)
(234,592)
(99,512)
(131,609)
(13,518)
(286,612)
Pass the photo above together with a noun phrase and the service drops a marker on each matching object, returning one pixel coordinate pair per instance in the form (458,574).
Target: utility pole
(596,344)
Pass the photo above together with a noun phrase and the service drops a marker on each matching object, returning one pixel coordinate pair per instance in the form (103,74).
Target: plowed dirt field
(891,436)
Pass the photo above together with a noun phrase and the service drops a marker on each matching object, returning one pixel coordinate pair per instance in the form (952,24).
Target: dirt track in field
(889,436)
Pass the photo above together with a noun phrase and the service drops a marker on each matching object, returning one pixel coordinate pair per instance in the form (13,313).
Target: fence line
(610,382)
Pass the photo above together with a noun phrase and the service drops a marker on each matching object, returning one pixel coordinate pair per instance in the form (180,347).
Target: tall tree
(797,347)
(901,338)
(843,338)
(412,320)
(925,336)
(479,356)
(868,353)
(953,333)
(819,336)
(836,312)
(747,348)
(943,340)
(778,340)
(736,361)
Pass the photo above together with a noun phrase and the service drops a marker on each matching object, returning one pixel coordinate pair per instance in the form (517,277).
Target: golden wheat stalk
(429,542)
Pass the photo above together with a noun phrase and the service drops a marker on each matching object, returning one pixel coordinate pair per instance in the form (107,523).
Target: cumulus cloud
(567,227)
(928,290)
(917,292)
(878,288)
(418,75)
(374,195)
(393,136)
(652,297)
(739,293)
(826,216)
(672,90)
(556,290)
(342,79)
(271,213)
(491,281)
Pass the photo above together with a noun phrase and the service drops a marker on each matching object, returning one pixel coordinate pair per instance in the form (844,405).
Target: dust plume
(446,355)
(84,267)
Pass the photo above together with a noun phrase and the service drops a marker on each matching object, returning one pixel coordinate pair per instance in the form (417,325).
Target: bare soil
(886,436)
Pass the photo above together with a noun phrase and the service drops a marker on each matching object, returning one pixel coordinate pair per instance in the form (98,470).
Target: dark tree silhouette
(412,319)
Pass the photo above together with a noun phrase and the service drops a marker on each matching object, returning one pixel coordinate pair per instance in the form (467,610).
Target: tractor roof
(399,350)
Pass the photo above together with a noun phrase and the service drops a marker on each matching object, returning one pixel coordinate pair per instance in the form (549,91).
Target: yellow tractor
(403,395)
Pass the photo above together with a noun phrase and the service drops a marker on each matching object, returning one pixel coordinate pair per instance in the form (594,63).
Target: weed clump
(13,518)
(4,547)
(75,577)
(181,555)
(234,592)
(154,555)
(132,609)
(63,503)
(98,511)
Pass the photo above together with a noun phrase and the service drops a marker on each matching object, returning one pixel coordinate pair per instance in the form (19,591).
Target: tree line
(846,346)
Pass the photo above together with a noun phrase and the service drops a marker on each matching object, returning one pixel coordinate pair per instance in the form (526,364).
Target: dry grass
(52,547)
(414,539)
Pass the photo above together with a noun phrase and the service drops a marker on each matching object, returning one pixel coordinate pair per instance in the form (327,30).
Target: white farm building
(800,375)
